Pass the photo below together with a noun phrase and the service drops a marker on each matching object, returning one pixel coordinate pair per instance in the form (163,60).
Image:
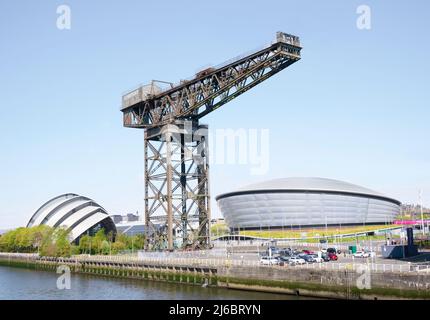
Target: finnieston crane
(177,196)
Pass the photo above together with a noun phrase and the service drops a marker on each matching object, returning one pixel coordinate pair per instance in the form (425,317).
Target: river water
(25,284)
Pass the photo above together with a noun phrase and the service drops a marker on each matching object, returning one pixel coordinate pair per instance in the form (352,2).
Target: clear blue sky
(355,108)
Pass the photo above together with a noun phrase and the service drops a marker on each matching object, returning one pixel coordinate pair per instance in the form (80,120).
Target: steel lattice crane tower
(177,197)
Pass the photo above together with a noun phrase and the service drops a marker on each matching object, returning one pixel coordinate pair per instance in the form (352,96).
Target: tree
(38,234)
(105,247)
(62,241)
(85,244)
(48,247)
(118,246)
(98,240)
(23,240)
(138,241)
(56,243)
(8,241)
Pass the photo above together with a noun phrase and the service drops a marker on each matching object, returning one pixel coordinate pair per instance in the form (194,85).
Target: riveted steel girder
(177,200)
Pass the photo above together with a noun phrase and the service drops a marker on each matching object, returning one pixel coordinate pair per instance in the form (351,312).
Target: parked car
(274,250)
(285,252)
(296,260)
(325,257)
(361,254)
(307,251)
(266,260)
(309,258)
(317,259)
(332,256)
(284,258)
(333,250)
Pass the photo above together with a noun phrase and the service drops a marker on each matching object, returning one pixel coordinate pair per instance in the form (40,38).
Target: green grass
(345,239)
(329,232)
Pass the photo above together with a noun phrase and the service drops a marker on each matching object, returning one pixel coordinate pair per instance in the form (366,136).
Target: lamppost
(421,210)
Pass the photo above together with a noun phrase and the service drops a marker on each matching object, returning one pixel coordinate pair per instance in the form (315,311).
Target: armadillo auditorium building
(78,214)
(305,202)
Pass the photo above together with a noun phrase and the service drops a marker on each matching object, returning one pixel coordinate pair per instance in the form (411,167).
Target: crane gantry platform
(177,194)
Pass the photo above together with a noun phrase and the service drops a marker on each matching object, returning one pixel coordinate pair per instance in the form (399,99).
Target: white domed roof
(311,183)
(306,184)
(73,212)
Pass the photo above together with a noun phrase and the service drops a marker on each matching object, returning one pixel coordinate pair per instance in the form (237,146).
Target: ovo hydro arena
(305,202)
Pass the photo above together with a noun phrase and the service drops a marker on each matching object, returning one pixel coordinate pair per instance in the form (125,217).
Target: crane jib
(150,105)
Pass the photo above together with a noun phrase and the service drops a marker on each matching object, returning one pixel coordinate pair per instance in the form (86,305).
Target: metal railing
(217,262)
(223,262)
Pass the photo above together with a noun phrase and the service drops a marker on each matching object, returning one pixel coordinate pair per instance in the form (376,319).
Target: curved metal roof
(307,184)
(72,211)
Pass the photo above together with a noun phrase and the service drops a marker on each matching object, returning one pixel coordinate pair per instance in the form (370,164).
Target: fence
(364,244)
(220,262)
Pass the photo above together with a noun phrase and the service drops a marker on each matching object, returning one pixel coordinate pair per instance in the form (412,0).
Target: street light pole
(421,209)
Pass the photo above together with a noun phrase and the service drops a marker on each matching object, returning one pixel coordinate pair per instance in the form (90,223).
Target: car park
(293,256)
